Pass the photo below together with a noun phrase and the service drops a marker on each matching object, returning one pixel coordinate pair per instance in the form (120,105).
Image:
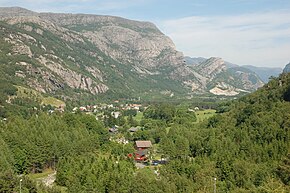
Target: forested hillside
(96,57)
(245,147)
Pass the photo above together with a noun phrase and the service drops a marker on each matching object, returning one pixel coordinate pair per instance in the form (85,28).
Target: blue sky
(255,32)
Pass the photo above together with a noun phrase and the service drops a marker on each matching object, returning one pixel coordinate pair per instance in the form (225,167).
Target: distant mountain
(198,60)
(90,56)
(264,72)
(222,78)
(287,68)
(194,61)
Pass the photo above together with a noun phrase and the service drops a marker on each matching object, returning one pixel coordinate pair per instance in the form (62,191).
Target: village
(127,127)
(123,122)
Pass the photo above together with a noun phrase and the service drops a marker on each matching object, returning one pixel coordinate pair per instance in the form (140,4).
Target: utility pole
(20,184)
(214,185)
(54,162)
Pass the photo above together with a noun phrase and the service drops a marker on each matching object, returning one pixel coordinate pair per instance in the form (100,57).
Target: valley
(98,103)
(97,57)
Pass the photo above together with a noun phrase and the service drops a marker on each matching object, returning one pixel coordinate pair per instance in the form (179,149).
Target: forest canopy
(245,147)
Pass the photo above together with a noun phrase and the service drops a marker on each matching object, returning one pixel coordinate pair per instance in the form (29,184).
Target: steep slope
(130,42)
(215,76)
(257,129)
(91,56)
(57,54)
(264,73)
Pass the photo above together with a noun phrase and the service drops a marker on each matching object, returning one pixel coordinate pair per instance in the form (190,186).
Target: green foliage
(50,137)
(283,170)
(164,112)
(10,183)
(6,159)
(89,173)
(185,117)
(246,148)
(131,112)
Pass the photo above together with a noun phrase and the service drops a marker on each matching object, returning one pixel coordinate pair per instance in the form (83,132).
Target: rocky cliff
(79,54)
(219,78)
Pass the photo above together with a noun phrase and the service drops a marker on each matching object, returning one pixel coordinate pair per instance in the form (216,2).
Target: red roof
(143,144)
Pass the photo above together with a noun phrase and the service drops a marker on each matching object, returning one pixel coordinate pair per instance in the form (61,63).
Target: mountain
(264,72)
(223,78)
(92,56)
(88,54)
(194,61)
(287,68)
(198,60)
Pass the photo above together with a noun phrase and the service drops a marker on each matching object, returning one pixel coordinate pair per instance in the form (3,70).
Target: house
(142,149)
(141,155)
(115,114)
(140,145)
(133,129)
(136,106)
(83,109)
(113,130)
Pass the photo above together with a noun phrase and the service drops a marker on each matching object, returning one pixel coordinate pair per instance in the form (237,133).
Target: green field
(37,96)
(139,116)
(52,101)
(44,174)
(204,114)
(200,115)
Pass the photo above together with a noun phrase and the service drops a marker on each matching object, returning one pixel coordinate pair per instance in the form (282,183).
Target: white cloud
(261,39)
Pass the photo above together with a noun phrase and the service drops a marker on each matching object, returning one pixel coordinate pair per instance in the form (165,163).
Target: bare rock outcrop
(96,53)
(72,78)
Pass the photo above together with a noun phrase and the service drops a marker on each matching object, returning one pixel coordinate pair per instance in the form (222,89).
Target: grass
(204,114)
(167,129)
(28,93)
(37,96)
(45,173)
(61,189)
(52,101)
(139,116)
(38,177)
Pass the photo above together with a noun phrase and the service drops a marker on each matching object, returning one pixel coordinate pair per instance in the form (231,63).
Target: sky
(244,32)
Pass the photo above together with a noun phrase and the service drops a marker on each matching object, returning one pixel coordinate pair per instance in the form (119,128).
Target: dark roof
(113,130)
(133,129)
(143,143)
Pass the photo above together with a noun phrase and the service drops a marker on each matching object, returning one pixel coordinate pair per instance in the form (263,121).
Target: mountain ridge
(263,72)
(83,55)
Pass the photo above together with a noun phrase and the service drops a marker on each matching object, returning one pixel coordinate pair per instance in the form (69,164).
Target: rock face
(219,78)
(287,68)
(79,53)
(136,43)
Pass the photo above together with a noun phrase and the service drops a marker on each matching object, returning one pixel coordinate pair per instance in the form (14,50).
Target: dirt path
(48,180)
